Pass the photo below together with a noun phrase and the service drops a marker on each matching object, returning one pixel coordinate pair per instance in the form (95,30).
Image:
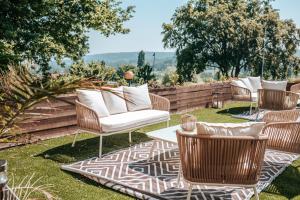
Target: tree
(141,59)
(95,70)
(145,73)
(230,35)
(35,31)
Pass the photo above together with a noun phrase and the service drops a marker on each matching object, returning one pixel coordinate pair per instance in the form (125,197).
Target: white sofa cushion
(115,101)
(230,129)
(94,100)
(247,83)
(131,120)
(137,98)
(255,83)
(274,85)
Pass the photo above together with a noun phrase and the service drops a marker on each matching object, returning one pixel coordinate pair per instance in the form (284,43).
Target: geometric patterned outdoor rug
(129,172)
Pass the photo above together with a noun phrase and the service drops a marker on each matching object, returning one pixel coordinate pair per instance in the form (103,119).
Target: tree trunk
(237,71)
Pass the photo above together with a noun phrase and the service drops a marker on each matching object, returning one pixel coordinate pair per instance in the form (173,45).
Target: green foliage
(94,70)
(145,73)
(170,79)
(231,35)
(21,89)
(37,31)
(141,59)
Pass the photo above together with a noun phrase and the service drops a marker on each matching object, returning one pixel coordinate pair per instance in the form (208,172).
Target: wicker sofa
(246,89)
(89,121)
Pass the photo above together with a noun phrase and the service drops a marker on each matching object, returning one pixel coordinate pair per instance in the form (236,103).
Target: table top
(167,134)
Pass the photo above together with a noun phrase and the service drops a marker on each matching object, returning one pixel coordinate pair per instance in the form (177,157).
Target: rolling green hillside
(162,59)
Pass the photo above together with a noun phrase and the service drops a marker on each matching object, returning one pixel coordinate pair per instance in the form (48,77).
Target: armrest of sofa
(87,118)
(241,93)
(159,103)
(281,116)
(295,88)
(291,100)
(283,136)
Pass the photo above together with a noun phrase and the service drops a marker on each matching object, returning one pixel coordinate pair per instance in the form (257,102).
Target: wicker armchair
(88,120)
(242,94)
(276,100)
(296,89)
(221,160)
(283,130)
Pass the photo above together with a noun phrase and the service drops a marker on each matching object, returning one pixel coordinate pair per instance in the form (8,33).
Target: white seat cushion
(94,100)
(274,85)
(255,83)
(230,129)
(115,101)
(131,120)
(137,98)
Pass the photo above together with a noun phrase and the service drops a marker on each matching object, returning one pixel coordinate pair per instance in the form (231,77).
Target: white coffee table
(165,134)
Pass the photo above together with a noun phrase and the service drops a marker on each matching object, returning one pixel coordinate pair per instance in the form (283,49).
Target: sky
(146,26)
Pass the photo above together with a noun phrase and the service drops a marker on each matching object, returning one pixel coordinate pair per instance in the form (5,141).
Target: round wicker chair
(221,160)
(276,100)
(283,130)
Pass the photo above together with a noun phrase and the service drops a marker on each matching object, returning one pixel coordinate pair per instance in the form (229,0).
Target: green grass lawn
(45,158)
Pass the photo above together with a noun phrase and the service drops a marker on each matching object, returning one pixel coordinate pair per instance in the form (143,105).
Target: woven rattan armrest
(236,90)
(87,118)
(281,116)
(295,88)
(159,103)
(283,136)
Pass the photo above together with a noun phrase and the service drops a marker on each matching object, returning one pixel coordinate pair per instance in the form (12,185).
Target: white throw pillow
(137,98)
(115,100)
(247,83)
(255,83)
(230,129)
(94,100)
(274,85)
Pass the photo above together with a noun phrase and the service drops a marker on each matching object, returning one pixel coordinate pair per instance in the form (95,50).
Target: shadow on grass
(287,184)
(233,110)
(89,148)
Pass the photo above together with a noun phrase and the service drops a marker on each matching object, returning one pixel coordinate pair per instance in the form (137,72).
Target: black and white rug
(251,117)
(129,172)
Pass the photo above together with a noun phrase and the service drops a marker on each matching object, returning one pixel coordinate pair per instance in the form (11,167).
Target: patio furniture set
(213,153)
(267,95)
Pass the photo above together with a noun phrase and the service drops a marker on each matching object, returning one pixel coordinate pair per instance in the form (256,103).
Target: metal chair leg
(100,147)
(256,193)
(74,140)
(257,115)
(250,109)
(129,137)
(190,192)
(168,123)
(178,176)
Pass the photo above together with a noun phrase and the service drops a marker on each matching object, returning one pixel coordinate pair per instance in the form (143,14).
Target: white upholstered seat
(130,120)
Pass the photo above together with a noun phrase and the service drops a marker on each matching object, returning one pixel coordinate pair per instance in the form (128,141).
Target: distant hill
(162,59)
